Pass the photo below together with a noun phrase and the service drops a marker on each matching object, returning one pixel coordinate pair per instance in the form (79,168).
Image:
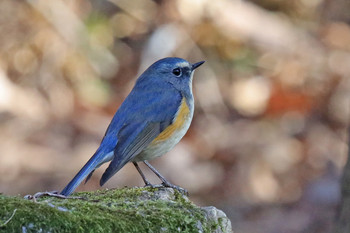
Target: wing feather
(137,137)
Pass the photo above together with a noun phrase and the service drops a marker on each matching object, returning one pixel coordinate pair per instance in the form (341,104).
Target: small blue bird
(150,122)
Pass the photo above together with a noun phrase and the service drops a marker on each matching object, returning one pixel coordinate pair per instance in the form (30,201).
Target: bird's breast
(171,135)
(180,123)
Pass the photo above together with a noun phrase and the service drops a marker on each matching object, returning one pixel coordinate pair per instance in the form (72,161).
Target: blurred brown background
(268,142)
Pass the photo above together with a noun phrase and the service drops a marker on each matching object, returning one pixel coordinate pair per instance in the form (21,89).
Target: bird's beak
(196,65)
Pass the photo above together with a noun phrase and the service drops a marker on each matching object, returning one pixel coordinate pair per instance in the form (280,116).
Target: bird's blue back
(153,100)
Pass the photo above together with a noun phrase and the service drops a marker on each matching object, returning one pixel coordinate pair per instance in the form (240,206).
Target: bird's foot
(167,185)
(148,184)
(181,190)
(50,194)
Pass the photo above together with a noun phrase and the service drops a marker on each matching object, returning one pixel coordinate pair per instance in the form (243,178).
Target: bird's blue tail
(95,161)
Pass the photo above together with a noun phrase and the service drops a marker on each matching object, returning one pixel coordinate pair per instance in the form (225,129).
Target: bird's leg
(147,183)
(165,183)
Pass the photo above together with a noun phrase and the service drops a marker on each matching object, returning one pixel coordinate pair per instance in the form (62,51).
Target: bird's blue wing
(145,113)
(134,137)
(148,101)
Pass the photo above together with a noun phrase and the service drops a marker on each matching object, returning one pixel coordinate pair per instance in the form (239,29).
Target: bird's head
(176,71)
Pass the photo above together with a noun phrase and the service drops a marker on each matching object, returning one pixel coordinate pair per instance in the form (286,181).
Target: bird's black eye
(177,72)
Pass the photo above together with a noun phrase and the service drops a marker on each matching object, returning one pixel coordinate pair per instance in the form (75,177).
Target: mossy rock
(117,210)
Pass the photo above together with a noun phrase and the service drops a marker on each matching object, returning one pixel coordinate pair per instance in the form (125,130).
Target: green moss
(120,210)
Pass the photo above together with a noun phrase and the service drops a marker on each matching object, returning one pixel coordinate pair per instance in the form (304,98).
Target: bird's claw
(154,186)
(167,185)
(181,190)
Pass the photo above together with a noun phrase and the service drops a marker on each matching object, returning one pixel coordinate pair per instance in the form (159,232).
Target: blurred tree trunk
(343,219)
(336,10)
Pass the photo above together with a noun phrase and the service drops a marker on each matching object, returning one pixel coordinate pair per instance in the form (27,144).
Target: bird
(152,119)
